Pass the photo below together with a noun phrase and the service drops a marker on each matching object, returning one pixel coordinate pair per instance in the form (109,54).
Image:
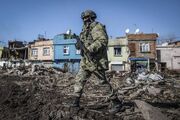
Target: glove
(77,46)
(89,48)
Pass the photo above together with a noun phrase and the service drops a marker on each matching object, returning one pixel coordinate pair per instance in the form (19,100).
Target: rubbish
(155,77)
(153,91)
(142,76)
(129,80)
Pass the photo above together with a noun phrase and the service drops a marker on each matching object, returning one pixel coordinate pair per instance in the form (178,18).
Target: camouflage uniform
(95,40)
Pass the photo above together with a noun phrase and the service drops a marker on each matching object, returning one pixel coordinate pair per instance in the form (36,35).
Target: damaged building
(15,54)
(142,50)
(2,45)
(18,50)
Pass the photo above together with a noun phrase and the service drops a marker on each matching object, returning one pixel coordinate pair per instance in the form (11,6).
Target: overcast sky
(25,19)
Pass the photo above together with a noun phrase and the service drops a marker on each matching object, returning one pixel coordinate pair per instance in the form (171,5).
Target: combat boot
(76,102)
(116,106)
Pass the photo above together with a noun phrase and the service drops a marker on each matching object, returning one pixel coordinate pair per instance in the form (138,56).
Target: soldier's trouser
(82,77)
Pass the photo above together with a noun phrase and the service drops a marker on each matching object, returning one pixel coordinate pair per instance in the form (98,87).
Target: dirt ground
(42,97)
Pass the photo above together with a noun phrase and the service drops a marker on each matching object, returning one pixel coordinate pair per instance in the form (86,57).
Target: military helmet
(88,13)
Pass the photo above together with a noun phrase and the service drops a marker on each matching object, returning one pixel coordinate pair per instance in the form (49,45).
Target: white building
(168,56)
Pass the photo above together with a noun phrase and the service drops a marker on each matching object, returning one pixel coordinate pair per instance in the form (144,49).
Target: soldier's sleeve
(77,46)
(100,38)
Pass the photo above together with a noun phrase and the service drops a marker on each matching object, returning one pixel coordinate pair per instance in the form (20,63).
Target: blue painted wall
(73,67)
(72,59)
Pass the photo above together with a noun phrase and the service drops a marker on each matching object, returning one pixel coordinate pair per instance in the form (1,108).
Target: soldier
(94,58)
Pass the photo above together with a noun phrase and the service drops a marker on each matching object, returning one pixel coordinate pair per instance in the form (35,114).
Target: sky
(25,19)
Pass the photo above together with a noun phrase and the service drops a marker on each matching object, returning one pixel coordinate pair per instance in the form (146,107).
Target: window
(66,50)
(117,67)
(158,55)
(46,51)
(78,52)
(117,51)
(34,52)
(144,47)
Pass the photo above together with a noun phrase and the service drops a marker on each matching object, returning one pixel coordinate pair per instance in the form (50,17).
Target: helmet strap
(89,20)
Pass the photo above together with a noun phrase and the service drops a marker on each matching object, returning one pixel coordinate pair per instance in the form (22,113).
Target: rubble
(150,90)
(153,91)
(37,92)
(33,70)
(150,76)
(149,112)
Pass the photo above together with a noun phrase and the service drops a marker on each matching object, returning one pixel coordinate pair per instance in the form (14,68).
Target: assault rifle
(80,45)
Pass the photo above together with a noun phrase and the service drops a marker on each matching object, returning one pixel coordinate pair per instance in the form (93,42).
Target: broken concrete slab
(149,112)
(153,91)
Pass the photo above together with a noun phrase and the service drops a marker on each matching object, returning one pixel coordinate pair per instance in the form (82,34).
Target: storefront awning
(138,59)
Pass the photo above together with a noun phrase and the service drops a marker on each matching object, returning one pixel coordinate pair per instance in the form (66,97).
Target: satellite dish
(68,31)
(127,30)
(137,31)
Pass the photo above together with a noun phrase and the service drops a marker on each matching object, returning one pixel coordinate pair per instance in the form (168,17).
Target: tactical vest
(85,35)
(87,38)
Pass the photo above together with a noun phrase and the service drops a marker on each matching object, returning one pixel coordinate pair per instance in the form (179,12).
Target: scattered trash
(143,77)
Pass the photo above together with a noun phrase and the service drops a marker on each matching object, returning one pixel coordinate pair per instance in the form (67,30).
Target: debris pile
(151,87)
(33,70)
(45,93)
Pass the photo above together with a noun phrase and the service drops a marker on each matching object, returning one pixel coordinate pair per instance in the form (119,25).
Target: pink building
(41,51)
